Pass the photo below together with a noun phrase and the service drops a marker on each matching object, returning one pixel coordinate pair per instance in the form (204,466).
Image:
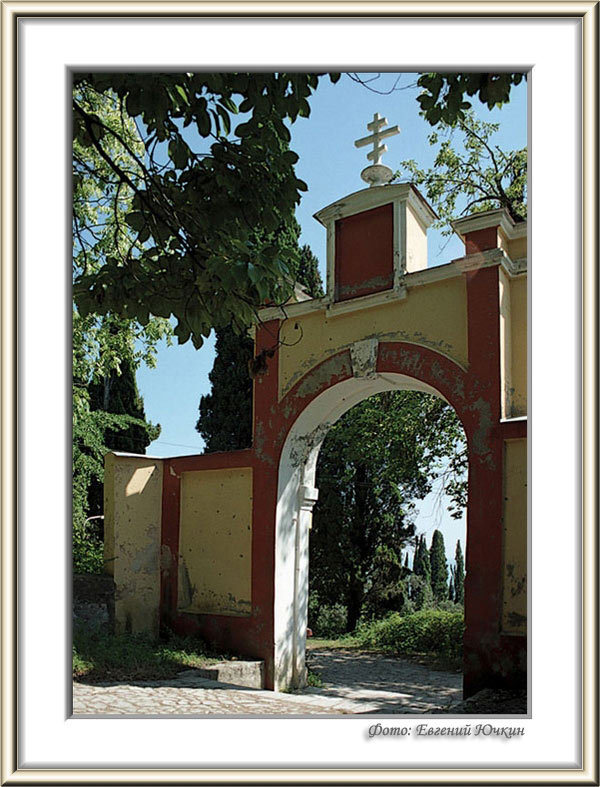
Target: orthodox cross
(375,138)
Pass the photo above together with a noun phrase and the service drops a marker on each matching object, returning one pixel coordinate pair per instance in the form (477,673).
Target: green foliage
(431,631)
(106,349)
(375,462)
(307,273)
(326,620)
(314,679)
(422,560)
(99,655)
(87,546)
(470,173)
(225,419)
(443,97)
(439,567)
(200,188)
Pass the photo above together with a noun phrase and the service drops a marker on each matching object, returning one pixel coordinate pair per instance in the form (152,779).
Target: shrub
(429,631)
(329,621)
(88,548)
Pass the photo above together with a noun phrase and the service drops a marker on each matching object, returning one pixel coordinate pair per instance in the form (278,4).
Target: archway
(296,497)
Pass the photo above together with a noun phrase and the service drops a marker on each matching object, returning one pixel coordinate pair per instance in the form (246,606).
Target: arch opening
(296,497)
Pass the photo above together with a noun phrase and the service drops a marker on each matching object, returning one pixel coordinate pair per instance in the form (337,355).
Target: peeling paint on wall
(133,511)
(322,376)
(433,315)
(375,284)
(364,358)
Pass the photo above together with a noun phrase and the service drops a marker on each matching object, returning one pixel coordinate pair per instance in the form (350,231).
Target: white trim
(137,456)
(335,308)
(488,258)
(449,270)
(499,217)
(375,197)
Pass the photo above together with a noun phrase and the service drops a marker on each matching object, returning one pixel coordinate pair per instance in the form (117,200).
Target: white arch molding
(296,495)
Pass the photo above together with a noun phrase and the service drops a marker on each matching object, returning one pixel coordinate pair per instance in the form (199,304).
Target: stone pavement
(372,683)
(353,683)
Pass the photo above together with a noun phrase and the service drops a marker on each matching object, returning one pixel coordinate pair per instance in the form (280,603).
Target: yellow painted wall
(516,248)
(132,510)
(416,243)
(518,308)
(514,597)
(215,542)
(433,315)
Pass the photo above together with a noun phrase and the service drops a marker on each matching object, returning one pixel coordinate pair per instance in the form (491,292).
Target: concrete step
(237,673)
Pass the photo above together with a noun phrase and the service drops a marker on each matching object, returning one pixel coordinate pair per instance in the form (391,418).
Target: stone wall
(94,601)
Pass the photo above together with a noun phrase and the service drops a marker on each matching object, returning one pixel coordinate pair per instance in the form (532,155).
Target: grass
(102,656)
(347,642)
(314,679)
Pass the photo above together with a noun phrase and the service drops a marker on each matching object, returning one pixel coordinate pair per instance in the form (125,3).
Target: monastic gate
(218,544)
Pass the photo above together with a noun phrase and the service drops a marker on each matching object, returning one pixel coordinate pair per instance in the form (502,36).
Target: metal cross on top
(375,138)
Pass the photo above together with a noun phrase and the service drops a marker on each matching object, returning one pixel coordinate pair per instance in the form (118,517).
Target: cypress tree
(225,414)
(308,274)
(422,562)
(225,420)
(117,394)
(439,567)
(459,575)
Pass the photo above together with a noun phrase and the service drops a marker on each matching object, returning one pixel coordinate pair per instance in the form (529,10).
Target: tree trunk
(355,598)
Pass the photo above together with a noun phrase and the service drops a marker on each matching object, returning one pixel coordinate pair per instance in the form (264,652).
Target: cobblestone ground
(353,683)
(378,684)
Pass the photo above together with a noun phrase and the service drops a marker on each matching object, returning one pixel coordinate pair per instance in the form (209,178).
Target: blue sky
(330,164)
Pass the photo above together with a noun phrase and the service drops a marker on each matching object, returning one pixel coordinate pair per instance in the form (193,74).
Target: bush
(328,621)
(433,631)
(88,548)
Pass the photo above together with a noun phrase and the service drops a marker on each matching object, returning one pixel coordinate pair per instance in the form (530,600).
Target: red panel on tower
(364,253)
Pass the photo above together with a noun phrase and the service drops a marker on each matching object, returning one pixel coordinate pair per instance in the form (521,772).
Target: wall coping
(374,197)
(449,270)
(499,217)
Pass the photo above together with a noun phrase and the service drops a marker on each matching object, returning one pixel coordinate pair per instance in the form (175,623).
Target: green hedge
(428,631)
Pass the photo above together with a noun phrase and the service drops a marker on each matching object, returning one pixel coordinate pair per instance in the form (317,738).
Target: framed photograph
(42,45)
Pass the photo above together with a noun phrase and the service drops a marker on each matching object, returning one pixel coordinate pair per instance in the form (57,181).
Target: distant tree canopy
(439,567)
(375,462)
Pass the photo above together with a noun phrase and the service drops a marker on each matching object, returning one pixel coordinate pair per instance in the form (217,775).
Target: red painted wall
(364,253)
(481,240)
